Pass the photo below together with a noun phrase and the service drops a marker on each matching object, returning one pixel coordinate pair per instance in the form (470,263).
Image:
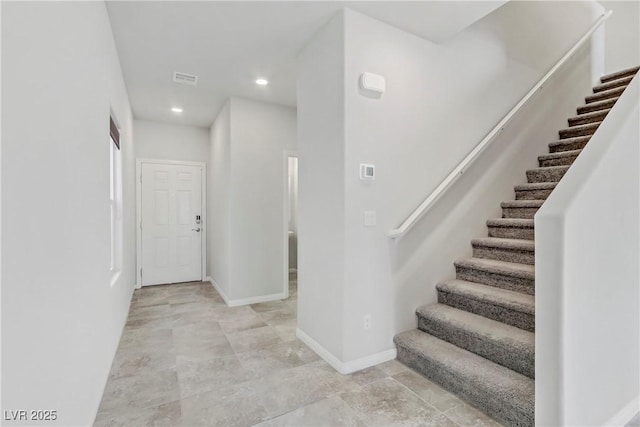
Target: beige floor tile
(236,405)
(265,361)
(146,339)
(290,389)
(466,415)
(140,391)
(331,411)
(135,362)
(427,390)
(165,415)
(388,403)
(197,375)
(268,306)
(338,382)
(392,367)
(252,339)
(242,324)
(277,315)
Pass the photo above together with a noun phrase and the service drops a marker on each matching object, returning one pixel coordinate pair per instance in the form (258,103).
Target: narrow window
(115,198)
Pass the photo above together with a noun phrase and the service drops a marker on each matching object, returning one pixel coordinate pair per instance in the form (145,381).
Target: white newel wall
(587,280)
(218,191)
(321,258)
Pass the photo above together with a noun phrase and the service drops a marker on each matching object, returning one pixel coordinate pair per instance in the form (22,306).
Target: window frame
(115,202)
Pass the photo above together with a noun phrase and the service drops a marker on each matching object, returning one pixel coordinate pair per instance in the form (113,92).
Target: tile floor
(186,359)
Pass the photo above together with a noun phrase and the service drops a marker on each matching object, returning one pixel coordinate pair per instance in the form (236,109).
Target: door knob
(196,229)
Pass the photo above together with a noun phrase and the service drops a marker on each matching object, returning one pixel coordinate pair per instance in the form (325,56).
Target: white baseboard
(346,367)
(625,414)
(245,301)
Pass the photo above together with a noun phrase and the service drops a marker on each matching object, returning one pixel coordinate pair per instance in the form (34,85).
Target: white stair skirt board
(625,414)
(346,367)
(245,301)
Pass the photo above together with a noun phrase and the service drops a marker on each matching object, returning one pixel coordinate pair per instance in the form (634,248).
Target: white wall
(218,196)
(256,170)
(321,127)
(440,101)
(588,283)
(537,33)
(61,319)
(155,140)
(622,35)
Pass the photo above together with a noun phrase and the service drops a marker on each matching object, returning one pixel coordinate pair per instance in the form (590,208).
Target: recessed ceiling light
(262,82)
(176,109)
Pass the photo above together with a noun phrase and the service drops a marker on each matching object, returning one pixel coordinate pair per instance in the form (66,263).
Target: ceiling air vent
(185,79)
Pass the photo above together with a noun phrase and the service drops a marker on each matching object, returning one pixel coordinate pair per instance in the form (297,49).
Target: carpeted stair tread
(619,74)
(547,174)
(513,308)
(503,344)
(597,106)
(500,392)
(525,209)
(511,228)
(512,269)
(535,186)
(595,116)
(522,204)
(518,301)
(562,158)
(493,242)
(559,155)
(510,222)
(510,250)
(601,96)
(569,144)
(501,274)
(580,130)
(613,84)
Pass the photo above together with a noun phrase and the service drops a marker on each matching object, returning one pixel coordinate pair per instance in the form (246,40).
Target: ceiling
(229,44)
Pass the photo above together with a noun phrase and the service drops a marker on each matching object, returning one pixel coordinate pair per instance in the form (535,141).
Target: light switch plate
(370,218)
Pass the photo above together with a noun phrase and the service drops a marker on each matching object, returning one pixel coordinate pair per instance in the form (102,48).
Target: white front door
(171,228)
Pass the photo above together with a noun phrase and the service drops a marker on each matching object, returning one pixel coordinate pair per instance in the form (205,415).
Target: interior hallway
(186,359)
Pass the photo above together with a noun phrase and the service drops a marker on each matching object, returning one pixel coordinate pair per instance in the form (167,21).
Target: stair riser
(515,358)
(552,175)
(511,233)
(612,84)
(495,312)
(523,213)
(559,161)
(568,147)
(507,255)
(489,401)
(604,95)
(575,132)
(533,194)
(578,121)
(526,286)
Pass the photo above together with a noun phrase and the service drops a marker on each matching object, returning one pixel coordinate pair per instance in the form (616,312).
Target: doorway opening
(292,225)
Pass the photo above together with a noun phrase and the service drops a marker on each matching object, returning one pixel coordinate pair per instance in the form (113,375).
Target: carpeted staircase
(478,341)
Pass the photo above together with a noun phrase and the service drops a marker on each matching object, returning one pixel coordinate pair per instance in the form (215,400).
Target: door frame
(203,212)
(285,210)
